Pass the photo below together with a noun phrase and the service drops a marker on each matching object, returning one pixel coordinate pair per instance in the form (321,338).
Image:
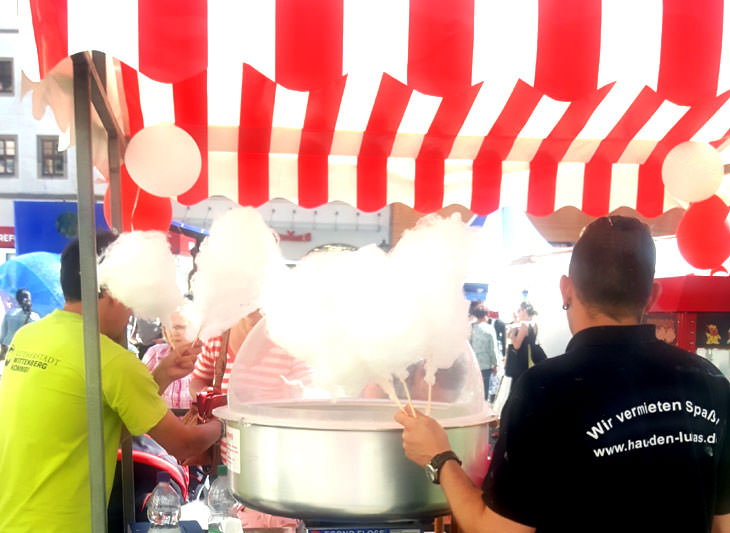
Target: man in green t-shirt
(44,456)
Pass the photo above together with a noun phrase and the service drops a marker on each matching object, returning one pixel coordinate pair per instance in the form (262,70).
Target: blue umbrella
(39,272)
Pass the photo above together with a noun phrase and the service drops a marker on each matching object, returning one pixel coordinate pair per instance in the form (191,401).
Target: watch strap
(439,460)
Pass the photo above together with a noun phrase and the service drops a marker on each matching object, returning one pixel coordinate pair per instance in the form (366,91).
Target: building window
(52,162)
(8,155)
(6,76)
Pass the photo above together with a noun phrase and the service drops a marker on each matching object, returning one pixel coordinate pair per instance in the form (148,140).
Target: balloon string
(408,395)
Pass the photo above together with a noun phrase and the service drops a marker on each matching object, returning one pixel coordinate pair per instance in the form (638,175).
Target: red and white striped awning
(536,103)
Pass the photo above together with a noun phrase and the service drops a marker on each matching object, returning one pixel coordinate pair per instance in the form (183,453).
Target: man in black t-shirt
(621,433)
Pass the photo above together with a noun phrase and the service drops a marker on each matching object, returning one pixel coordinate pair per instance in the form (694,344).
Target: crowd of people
(621,433)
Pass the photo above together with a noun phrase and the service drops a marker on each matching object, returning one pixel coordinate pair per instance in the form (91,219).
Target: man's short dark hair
(19,294)
(612,266)
(71,266)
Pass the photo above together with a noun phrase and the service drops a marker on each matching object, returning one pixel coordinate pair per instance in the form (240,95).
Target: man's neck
(73,307)
(593,320)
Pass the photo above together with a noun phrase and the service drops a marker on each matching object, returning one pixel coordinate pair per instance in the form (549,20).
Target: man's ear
(566,289)
(656,290)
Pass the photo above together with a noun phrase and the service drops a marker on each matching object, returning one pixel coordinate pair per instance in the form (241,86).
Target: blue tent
(39,272)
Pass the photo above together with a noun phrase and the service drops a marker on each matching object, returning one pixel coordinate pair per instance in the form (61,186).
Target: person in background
(483,342)
(523,350)
(177,394)
(44,448)
(623,432)
(473,306)
(145,334)
(16,319)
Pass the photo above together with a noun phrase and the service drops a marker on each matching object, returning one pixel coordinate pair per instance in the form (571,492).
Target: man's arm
(185,441)
(423,438)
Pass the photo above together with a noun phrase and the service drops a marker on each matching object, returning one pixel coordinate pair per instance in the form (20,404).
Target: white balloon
(692,171)
(163,159)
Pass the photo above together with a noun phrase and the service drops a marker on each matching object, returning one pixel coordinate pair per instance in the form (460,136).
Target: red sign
(291,236)
(7,237)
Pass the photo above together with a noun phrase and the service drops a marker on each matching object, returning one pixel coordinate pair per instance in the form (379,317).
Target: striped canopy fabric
(532,103)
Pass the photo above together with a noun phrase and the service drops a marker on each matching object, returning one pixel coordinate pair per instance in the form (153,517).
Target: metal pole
(89,291)
(115,198)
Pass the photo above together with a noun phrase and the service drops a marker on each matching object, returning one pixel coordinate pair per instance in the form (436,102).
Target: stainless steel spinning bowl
(348,473)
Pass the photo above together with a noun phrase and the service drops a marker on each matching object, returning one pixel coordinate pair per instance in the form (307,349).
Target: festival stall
(546,103)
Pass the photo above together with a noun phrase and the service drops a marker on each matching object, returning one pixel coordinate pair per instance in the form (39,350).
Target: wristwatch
(433,468)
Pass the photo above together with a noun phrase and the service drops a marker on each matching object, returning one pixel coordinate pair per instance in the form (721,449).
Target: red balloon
(151,213)
(129,199)
(703,234)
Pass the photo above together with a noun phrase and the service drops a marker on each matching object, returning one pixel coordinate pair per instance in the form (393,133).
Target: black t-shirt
(621,433)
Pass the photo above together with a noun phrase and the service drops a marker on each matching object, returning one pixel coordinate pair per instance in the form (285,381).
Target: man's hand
(177,364)
(423,437)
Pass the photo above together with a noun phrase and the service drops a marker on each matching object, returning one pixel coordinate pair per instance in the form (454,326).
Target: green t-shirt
(44,457)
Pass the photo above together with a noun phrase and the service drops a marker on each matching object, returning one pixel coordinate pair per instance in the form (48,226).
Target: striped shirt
(269,378)
(273,376)
(177,393)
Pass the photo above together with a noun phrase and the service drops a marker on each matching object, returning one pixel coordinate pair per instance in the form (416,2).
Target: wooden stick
(197,335)
(168,338)
(408,395)
(387,386)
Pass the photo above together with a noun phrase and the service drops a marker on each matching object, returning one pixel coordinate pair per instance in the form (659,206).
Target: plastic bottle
(163,506)
(221,502)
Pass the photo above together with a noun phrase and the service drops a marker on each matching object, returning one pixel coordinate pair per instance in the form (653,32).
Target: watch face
(430,472)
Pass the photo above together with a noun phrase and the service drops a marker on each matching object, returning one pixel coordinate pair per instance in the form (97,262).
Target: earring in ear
(565,307)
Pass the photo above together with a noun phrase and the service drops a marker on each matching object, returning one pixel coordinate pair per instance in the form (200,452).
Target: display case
(693,312)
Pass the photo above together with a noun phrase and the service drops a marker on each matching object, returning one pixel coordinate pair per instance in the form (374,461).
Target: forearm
(162,378)
(465,499)
(185,441)
(468,508)
(200,438)
(721,523)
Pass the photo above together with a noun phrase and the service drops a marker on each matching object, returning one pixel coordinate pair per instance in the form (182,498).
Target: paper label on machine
(233,456)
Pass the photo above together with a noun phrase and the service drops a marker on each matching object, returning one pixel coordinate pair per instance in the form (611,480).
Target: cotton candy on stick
(432,261)
(138,269)
(377,326)
(232,265)
(306,308)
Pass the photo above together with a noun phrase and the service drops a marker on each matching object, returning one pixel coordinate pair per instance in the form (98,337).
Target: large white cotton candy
(232,266)
(138,269)
(366,316)
(307,309)
(431,263)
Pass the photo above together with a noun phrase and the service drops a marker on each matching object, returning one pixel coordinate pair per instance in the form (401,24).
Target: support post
(89,291)
(115,201)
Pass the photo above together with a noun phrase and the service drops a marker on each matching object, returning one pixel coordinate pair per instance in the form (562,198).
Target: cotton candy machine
(297,450)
